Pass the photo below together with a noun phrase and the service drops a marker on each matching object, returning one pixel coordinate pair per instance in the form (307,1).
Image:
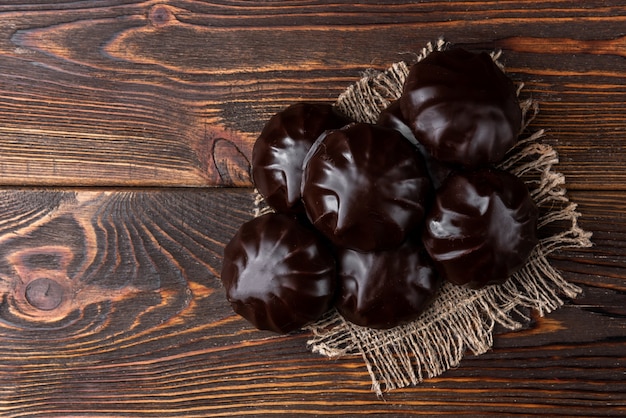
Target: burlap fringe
(459,319)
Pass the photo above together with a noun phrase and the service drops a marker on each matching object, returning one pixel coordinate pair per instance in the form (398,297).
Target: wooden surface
(116,119)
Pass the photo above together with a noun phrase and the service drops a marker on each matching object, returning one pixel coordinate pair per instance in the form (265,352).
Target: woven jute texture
(459,320)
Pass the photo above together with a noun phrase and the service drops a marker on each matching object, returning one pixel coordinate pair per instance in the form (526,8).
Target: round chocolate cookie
(365,187)
(278,274)
(461,107)
(279,150)
(482,227)
(386,288)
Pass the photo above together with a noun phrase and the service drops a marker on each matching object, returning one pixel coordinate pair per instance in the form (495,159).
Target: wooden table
(117,120)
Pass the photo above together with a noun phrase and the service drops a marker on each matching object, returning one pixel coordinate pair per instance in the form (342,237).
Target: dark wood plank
(125,93)
(111,305)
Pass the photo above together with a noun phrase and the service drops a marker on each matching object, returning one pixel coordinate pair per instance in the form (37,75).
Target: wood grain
(122,93)
(143,328)
(118,118)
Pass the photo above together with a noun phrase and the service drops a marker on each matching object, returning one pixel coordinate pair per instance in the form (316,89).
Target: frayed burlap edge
(459,319)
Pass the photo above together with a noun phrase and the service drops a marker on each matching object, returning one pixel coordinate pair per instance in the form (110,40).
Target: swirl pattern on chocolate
(481,228)
(365,187)
(461,107)
(278,274)
(386,288)
(280,149)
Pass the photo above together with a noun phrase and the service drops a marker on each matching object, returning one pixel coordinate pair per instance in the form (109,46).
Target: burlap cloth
(459,320)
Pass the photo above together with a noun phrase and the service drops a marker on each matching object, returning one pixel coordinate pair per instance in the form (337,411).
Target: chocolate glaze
(461,107)
(278,274)
(279,150)
(481,228)
(386,288)
(365,187)
(391,117)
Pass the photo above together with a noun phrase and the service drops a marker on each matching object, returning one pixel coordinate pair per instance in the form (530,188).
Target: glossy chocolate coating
(391,117)
(280,149)
(386,288)
(365,187)
(481,228)
(278,274)
(461,107)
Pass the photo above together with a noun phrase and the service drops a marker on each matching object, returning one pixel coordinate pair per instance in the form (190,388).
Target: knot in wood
(44,294)
(160,15)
